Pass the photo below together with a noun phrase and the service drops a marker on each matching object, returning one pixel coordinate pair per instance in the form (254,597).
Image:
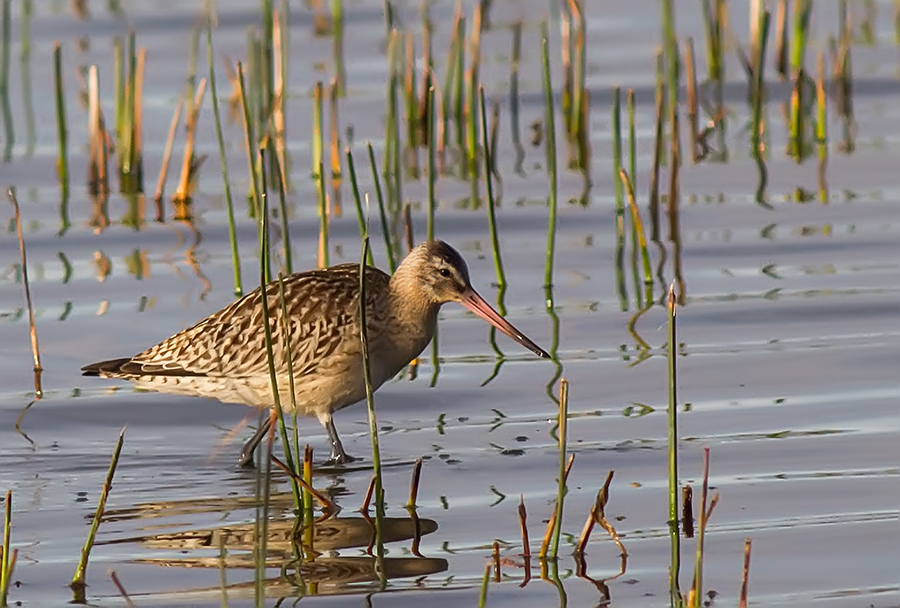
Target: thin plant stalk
(220,139)
(357,199)
(385,231)
(35,349)
(317,134)
(7,554)
(283,211)
(78,583)
(190,163)
(288,353)
(745,573)
(62,130)
(551,157)
(167,152)
(492,218)
(323,219)
(431,142)
(638,231)
(758,93)
(701,535)
(561,490)
(98,179)
(249,141)
(482,595)
(674,536)
(370,400)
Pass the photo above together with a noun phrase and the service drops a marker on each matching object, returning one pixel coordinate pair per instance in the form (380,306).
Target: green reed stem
(385,230)
(758,93)
(283,210)
(549,121)
(701,535)
(578,72)
(370,399)
(674,536)
(432,163)
(220,138)
(62,129)
(78,583)
(7,559)
(492,217)
(293,462)
(392,139)
(4,80)
(670,48)
(459,85)
(249,141)
(482,595)
(323,218)
(561,490)
(318,133)
(357,199)
(821,110)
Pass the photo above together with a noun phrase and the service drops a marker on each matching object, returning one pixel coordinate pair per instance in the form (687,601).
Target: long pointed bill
(478,305)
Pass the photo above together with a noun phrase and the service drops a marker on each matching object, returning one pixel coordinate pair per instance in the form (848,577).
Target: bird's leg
(338,455)
(246,457)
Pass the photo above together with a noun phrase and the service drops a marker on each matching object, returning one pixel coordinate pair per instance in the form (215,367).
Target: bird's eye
(444,272)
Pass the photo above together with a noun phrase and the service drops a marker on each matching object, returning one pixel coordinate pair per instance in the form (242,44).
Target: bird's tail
(112,366)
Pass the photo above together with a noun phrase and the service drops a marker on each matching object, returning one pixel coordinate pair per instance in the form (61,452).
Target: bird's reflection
(319,569)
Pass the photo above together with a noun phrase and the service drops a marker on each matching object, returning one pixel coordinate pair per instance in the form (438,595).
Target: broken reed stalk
(323,500)
(697,590)
(370,399)
(292,465)
(495,559)
(523,524)
(638,226)
(414,483)
(98,181)
(385,230)
(715,22)
(674,536)
(551,157)
(167,153)
(821,113)
(129,118)
(189,163)
(757,87)
(78,585)
(308,498)
(598,516)
(62,129)
(492,218)
(745,573)
(8,555)
(220,139)
(802,14)
(687,511)
(114,577)
(35,349)
(563,422)
(781,37)
(357,199)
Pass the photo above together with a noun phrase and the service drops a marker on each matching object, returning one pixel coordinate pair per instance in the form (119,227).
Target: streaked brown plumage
(224,355)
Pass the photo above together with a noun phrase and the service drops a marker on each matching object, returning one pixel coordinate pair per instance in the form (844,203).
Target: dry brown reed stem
(745,574)
(687,511)
(367,499)
(781,37)
(35,350)
(323,500)
(549,533)
(408,227)
(414,484)
(121,588)
(98,179)
(523,524)
(167,154)
(189,164)
(495,559)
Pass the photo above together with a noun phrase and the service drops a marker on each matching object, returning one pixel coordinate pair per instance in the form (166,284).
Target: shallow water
(788,339)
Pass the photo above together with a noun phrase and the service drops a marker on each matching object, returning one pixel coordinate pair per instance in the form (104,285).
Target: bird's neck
(413,317)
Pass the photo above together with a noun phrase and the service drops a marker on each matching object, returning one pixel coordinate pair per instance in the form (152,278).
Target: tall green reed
(549,121)
(62,129)
(490,202)
(385,229)
(672,441)
(8,555)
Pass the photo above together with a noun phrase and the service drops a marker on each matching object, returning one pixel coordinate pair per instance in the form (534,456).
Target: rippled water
(789,342)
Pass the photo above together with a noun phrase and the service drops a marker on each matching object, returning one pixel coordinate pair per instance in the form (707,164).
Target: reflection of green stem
(492,335)
(4,83)
(554,342)
(62,130)
(25,57)
(551,157)
(435,360)
(385,231)
(220,138)
(674,537)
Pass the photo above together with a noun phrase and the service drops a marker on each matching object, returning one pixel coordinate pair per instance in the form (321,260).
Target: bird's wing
(323,316)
